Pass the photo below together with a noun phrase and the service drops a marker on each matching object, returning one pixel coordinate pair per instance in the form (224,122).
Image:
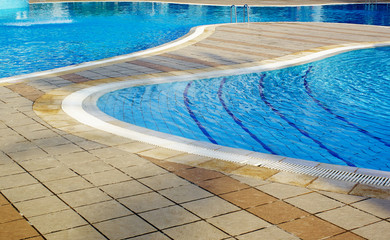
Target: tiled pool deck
(71,181)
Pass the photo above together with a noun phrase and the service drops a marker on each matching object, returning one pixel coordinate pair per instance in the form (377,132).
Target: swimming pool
(51,35)
(336,110)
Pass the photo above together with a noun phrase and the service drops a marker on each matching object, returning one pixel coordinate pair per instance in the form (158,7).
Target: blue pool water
(336,110)
(39,37)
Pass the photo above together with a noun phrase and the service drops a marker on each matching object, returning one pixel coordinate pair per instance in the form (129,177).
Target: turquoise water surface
(336,110)
(39,37)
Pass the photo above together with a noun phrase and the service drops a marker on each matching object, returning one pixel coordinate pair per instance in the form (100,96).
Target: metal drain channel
(329,173)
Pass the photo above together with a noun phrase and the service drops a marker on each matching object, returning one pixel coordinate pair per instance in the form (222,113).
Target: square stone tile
(377,207)
(222,185)
(41,206)
(311,228)
(278,212)
(26,192)
(189,159)
(79,233)
(185,193)
(272,232)
(198,230)
(103,211)
(346,235)
(53,174)
(210,207)
(63,149)
(124,227)
(125,189)
(10,169)
(76,158)
(163,181)
(251,181)
(84,197)
(91,167)
(108,177)
(152,236)
(68,185)
(332,185)
(160,153)
(314,202)
(283,191)
(146,202)
(219,165)
(371,191)
(246,198)
(376,231)
(344,198)
(57,221)
(121,162)
(136,147)
(348,217)
(16,180)
(255,172)
(19,229)
(40,163)
(8,213)
(144,170)
(169,217)
(170,166)
(237,223)
(292,178)
(197,175)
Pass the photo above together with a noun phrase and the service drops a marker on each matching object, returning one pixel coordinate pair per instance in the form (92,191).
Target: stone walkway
(70,181)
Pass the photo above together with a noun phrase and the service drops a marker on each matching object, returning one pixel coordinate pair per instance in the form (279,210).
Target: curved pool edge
(81,105)
(194,35)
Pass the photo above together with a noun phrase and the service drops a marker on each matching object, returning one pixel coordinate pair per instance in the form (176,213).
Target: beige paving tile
(255,172)
(108,177)
(219,165)
(4,159)
(371,191)
(160,182)
(332,185)
(146,202)
(144,170)
(28,154)
(41,206)
(314,202)
(125,161)
(246,198)
(53,174)
(10,169)
(292,178)
(103,211)
(272,232)
(376,231)
(238,223)
(19,229)
(344,198)
(57,221)
(68,185)
(79,233)
(283,191)
(152,236)
(40,163)
(136,147)
(189,159)
(348,217)
(377,207)
(124,227)
(185,193)
(91,167)
(16,180)
(198,230)
(8,213)
(160,153)
(210,207)
(169,217)
(254,182)
(125,189)
(76,158)
(84,197)
(311,228)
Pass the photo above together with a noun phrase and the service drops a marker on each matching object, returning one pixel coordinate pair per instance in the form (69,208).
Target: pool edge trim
(75,103)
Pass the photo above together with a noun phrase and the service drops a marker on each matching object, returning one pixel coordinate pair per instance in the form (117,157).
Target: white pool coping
(81,105)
